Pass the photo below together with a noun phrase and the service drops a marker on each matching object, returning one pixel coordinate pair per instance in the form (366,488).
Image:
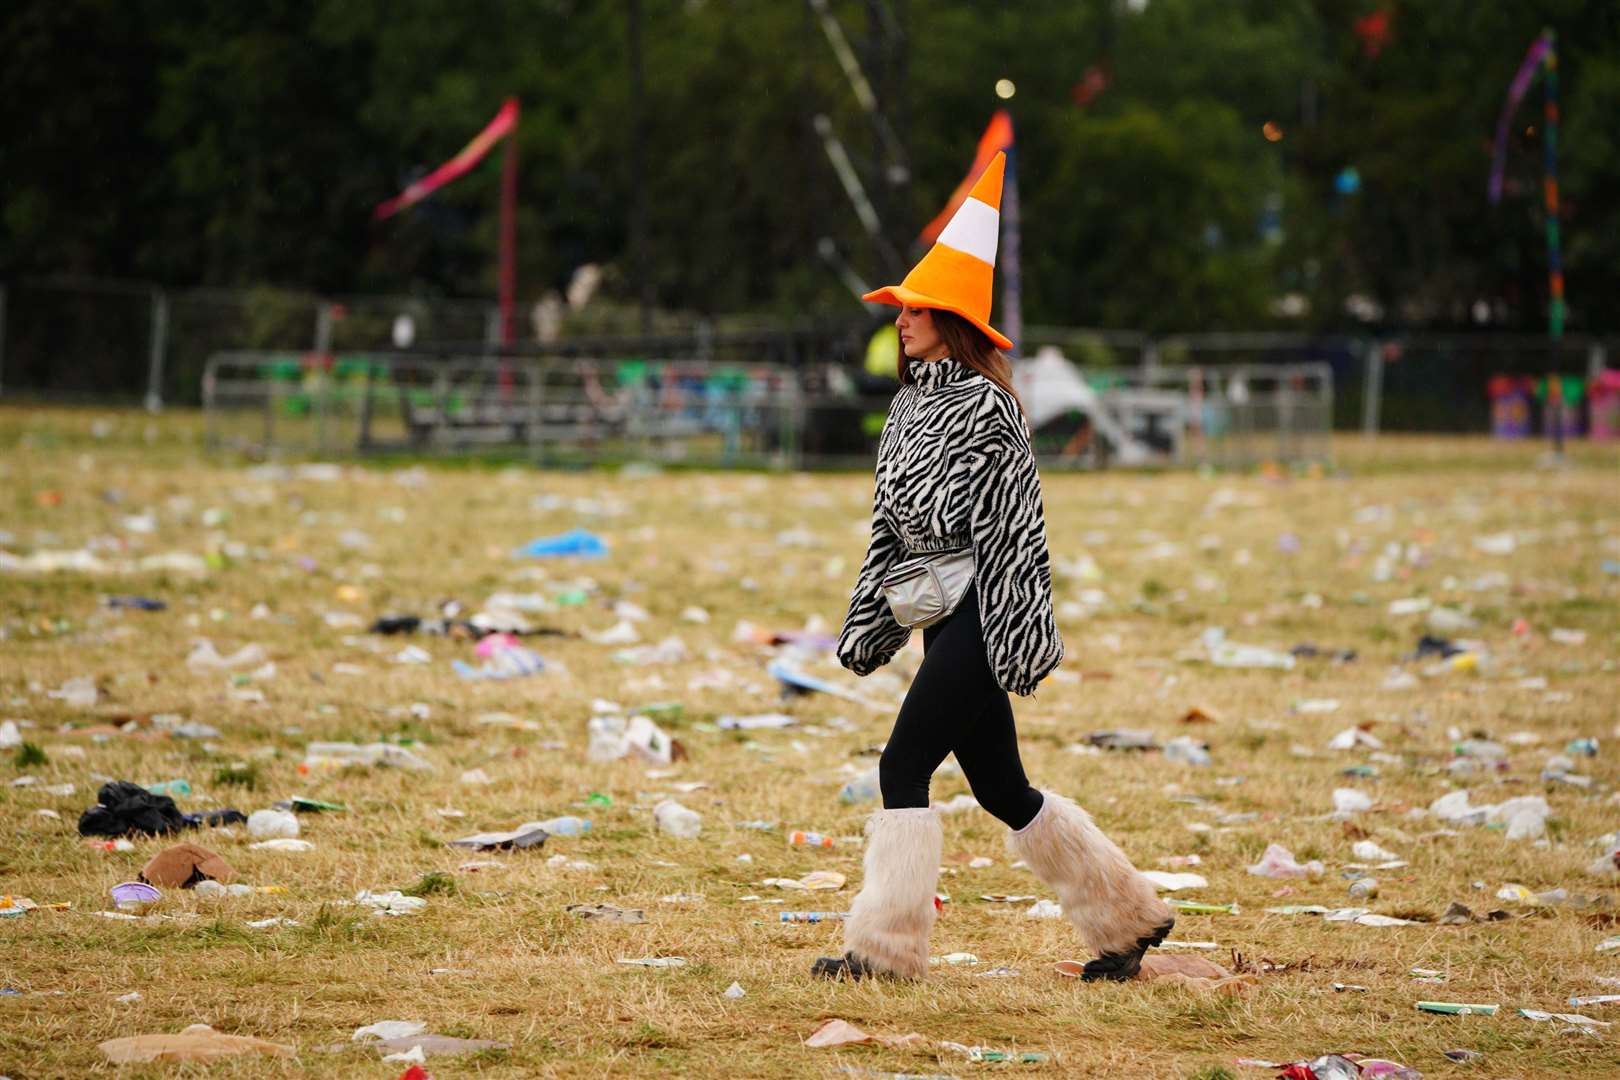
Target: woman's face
(919,338)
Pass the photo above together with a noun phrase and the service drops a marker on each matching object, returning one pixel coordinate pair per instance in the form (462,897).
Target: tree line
(1183,164)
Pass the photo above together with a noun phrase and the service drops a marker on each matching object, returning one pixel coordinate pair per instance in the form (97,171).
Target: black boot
(1121,966)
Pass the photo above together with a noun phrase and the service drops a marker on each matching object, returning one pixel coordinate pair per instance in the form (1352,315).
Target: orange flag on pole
(998,136)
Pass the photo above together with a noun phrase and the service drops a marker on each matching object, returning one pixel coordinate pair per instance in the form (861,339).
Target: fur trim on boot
(1102,894)
(888,924)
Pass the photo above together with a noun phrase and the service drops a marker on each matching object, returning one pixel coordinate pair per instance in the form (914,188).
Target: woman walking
(959,547)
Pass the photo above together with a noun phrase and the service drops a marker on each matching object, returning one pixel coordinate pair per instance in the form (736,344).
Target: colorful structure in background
(1605,406)
(1510,405)
(1560,397)
(1513,400)
(503,126)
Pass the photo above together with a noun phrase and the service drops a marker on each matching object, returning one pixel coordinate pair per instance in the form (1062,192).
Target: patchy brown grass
(1176,553)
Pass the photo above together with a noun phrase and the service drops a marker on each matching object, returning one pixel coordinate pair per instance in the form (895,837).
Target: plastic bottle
(809,916)
(1364,889)
(677,820)
(812,839)
(567,825)
(170,787)
(863,788)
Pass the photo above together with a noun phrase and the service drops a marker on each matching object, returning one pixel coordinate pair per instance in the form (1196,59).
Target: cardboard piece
(183,865)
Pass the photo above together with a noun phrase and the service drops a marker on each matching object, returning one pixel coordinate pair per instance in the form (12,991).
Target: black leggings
(955,706)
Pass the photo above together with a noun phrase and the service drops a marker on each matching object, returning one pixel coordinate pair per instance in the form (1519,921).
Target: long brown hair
(968,345)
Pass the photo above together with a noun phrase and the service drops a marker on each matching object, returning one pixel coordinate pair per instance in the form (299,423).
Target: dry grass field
(300,561)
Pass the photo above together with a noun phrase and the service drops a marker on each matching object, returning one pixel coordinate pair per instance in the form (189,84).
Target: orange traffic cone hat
(956,274)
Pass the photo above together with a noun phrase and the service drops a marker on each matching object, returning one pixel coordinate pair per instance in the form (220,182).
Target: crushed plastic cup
(677,820)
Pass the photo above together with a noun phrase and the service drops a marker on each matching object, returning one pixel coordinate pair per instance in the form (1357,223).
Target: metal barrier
(554,411)
(577,410)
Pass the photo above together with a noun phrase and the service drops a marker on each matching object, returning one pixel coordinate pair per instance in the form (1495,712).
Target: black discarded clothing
(956,706)
(123,807)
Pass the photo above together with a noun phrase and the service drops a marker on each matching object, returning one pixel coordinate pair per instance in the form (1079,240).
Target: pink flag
(471,154)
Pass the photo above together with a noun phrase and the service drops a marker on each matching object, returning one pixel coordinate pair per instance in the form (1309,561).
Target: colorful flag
(471,154)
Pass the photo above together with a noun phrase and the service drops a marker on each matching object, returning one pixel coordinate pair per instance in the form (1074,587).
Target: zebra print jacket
(954,468)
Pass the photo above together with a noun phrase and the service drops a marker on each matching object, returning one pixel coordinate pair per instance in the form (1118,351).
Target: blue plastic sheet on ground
(575,543)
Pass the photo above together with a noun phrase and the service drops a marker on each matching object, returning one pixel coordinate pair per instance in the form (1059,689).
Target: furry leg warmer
(889,921)
(1102,894)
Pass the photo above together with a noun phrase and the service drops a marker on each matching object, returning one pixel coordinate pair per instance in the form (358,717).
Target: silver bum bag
(924,590)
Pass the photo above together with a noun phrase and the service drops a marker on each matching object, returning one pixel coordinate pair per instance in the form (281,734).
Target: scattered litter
(270,823)
(1584,1023)
(1278,862)
(392,902)
(204,657)
(1453,1008)
(388,1029)
(135,897)
(1223,653)
(183,866)
(282,843)
(575,543)
(677,821)
(1044,909)
(199,1042)
(124,808)
(835,1032)
(757,722)
(606,913)
(1175,882)
(655,961)
(1350,801)
(522,838)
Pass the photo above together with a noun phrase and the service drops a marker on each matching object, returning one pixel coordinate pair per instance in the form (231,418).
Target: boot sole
(1123,967)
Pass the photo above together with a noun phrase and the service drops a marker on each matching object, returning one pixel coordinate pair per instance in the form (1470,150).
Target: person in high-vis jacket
(955,470)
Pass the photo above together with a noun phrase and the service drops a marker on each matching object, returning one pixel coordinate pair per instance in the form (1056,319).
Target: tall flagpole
(1012,291)
(1555,265)
(508,243)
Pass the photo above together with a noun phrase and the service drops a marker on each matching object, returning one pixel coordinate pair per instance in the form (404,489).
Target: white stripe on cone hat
(958,273)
